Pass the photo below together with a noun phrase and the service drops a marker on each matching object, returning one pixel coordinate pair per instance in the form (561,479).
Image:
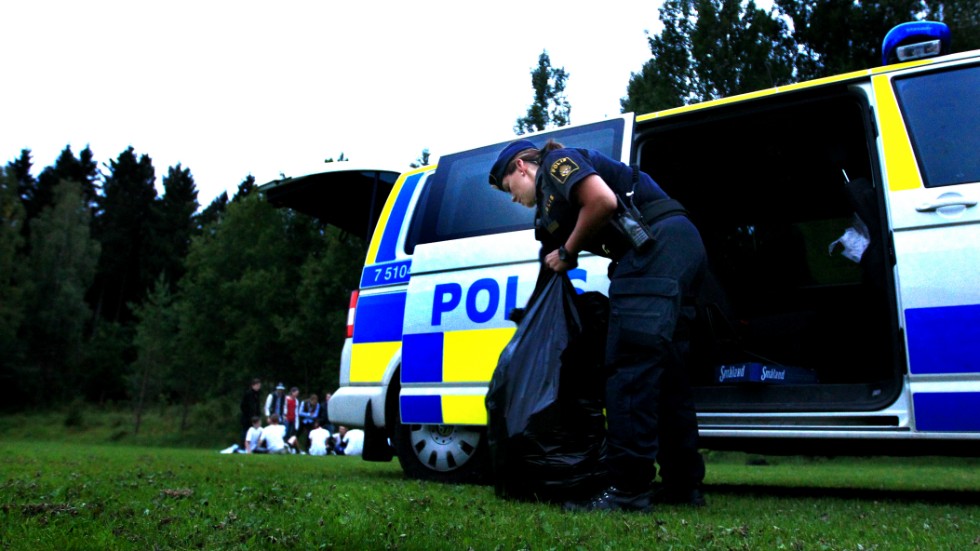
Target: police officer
(581,196)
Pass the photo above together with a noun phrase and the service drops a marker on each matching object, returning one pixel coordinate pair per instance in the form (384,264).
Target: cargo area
(786,322)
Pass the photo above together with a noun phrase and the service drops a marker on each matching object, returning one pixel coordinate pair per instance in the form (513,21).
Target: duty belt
(661,209)
(652,212)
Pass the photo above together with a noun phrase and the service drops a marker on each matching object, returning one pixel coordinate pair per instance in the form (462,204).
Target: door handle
(942,202)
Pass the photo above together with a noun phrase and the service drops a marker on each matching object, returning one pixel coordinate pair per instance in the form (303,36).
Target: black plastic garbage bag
(546,427)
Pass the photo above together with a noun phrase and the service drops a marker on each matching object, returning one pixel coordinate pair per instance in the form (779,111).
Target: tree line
(710,49)
(111,292)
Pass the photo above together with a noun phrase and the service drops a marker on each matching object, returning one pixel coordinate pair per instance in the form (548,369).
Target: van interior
(782,193)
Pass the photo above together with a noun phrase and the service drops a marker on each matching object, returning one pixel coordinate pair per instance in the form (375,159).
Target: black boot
(613,499)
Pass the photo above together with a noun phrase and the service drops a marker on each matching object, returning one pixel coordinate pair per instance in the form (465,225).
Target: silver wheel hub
(443,448)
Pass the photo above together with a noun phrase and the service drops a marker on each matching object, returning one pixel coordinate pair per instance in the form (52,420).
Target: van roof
(854,75)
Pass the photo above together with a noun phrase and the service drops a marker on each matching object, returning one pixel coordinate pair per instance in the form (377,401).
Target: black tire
(443,453)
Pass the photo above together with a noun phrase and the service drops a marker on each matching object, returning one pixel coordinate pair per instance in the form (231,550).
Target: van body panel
(387,245)
(353,403)
(371,357)
(452,405)
(463,287)
(901,171)
(457,319)
(936,227)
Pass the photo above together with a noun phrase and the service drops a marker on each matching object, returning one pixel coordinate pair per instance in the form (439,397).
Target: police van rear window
(942,112)
(457,202)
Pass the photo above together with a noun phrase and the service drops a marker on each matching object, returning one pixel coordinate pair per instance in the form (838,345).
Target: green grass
(74,493)
(210,425)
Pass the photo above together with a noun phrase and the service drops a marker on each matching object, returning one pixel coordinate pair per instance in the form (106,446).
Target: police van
(842,311)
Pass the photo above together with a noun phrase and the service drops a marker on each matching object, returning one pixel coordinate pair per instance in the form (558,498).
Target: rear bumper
(349,406)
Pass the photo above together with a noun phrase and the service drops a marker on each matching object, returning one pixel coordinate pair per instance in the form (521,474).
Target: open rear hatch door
(349,198)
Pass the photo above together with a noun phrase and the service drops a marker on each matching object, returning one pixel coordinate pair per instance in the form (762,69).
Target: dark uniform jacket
(561,170)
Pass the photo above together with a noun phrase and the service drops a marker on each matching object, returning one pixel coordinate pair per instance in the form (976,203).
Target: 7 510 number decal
(386,274)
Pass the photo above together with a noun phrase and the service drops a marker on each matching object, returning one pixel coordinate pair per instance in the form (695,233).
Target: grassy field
(75,493)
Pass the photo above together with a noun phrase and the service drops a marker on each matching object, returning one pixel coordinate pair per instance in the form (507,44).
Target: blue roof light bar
(915,40)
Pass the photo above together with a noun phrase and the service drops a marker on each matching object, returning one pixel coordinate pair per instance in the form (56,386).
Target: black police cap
(497,173)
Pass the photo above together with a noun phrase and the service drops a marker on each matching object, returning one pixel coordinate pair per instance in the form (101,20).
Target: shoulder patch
(562,169)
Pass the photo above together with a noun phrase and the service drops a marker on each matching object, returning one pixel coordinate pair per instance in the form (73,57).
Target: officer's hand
(556,263)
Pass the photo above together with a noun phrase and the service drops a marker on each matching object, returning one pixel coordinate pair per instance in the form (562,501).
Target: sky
(229,89)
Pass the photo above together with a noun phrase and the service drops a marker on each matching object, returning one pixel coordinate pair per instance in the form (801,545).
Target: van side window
(942,112)
(457,202)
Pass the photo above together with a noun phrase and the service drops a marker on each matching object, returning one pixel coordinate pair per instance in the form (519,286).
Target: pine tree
(837,36)
(83,170)
(245,188)
(710,49)
(738,49)
(664,81)
(11,277)
(20,170)
(155,340)
(173,224)
(550,107)
(123,227)
(963,19)
(211,214)
(62,263)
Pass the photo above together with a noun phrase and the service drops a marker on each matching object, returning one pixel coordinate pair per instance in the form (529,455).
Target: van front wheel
(443,453)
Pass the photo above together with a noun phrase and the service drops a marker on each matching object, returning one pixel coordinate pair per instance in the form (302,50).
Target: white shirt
(252,439)
(274,436)
(318,441)
(355,442)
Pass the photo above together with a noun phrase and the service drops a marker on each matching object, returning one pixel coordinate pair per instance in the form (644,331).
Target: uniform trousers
(650,408)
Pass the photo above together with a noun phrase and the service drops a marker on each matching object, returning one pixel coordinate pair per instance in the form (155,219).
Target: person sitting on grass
(254,435)
(273,439)
(318,439)
(349,441)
